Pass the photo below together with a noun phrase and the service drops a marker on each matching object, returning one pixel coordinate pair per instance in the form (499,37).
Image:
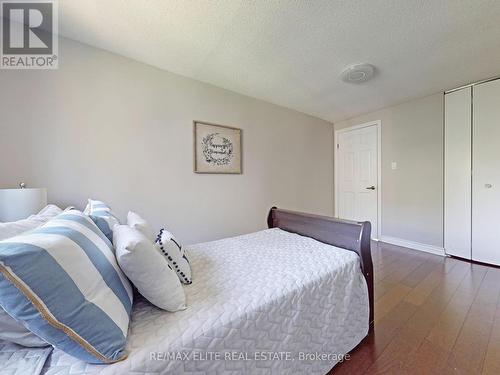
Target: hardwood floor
(433,315)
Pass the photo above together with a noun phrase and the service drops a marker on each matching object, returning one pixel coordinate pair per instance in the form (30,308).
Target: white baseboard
(414,245)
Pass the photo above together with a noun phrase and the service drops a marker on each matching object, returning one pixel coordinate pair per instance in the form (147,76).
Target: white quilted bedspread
(19,360)
(257,304)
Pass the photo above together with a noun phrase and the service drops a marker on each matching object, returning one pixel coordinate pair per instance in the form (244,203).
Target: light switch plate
(394,165)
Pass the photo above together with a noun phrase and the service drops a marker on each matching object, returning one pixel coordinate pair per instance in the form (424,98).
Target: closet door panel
(486,173)
(457,171)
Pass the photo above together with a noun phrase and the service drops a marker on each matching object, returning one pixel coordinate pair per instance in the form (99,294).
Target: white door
(486,173)
(357,166)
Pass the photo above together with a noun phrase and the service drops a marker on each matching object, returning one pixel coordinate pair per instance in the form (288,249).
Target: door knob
(371,187)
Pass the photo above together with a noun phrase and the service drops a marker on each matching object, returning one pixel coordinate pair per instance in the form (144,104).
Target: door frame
(378,124)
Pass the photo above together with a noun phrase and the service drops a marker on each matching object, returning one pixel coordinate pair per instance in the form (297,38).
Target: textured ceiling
(292,52)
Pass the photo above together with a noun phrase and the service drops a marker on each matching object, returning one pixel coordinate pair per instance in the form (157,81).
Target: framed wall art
(217,148)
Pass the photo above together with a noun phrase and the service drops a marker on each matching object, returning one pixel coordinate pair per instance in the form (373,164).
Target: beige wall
(412,195)
(107,127)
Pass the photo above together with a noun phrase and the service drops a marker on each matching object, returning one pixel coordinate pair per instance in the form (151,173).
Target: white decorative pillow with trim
(148,271)
(137,222)
(102,216)
(175,255)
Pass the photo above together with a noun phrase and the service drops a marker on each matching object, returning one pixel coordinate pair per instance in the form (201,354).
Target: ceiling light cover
(358,73)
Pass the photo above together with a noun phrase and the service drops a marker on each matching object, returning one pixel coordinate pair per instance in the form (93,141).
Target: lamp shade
(17,204)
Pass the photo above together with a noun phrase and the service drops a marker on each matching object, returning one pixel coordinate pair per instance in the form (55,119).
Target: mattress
(261,303)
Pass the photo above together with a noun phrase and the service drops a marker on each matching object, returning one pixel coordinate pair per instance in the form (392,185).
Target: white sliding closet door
(457,181)
(486,173)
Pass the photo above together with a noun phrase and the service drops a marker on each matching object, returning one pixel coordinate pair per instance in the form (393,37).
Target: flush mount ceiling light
(358,73)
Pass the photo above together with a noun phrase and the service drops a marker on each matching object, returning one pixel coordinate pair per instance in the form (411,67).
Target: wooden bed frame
(350,235)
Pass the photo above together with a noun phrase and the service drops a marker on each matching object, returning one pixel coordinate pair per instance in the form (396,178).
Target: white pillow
(13,228)
(137,222)
(13,331)
(175,255)
(147,270)
(48,212)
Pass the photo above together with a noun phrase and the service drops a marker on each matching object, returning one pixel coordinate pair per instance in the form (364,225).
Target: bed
(291,299)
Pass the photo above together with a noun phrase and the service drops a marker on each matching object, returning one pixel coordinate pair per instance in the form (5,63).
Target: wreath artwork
(217,150)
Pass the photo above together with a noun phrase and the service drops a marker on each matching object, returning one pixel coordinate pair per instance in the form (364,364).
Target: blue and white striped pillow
(63,282)
(102,215)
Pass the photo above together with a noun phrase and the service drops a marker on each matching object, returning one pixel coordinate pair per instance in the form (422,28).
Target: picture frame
(217,148)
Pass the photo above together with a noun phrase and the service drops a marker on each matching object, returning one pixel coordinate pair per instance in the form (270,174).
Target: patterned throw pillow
(175,255)
(63,283)
(102,216)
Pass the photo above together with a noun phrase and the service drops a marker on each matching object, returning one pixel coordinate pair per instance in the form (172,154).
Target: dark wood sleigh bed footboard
(350,235)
